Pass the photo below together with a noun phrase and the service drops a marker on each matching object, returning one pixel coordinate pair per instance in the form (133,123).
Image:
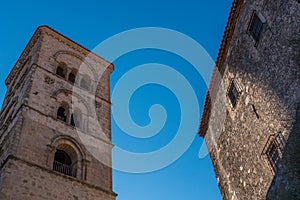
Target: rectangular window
(255,26)
(274,150)
(273,155)
(233,94)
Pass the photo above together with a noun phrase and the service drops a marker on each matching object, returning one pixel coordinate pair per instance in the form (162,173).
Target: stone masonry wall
(30,132)
(26,181)
(267,75)
(16,96)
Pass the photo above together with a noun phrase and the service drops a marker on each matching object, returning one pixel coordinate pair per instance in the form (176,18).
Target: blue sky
(90,23)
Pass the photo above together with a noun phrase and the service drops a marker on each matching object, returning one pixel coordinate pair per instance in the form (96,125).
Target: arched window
(62,157)
(72,77)
(61,114)
(61,69)
(85,83)
(63,163)
(67,157)
(72,120)
(76,119)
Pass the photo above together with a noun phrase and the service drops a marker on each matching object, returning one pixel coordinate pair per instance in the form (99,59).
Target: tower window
(233,94)
(61,114)
(255,26)
(61,69)
(72,120)
(76,119)
(85,83)
(63,163)
(72,77)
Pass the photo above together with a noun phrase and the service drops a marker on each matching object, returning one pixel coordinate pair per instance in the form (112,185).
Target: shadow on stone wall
(286,183)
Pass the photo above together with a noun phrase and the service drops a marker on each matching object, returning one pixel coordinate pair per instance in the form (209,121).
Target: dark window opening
(72,120)
(60,72)
(63,163)
(233,94)
(84,84)
(76,120)
(62,157)
(274,150)
(255,27)
(72,77)
(61,114)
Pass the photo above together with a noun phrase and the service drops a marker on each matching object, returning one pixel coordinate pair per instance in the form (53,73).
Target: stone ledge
(12,157)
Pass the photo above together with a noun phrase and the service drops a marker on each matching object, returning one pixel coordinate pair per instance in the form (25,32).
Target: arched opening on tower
(61,70)
(65,163)
(85,83)
(68,157)
(61,114)
(72,77)
(76,119)
(62,157)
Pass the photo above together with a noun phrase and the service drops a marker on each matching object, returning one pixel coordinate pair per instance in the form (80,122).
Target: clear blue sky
(91,22)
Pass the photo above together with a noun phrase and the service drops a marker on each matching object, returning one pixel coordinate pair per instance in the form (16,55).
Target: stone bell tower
(55,134)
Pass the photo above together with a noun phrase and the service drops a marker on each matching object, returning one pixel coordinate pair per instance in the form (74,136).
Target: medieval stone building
(56,101)
(251,116)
